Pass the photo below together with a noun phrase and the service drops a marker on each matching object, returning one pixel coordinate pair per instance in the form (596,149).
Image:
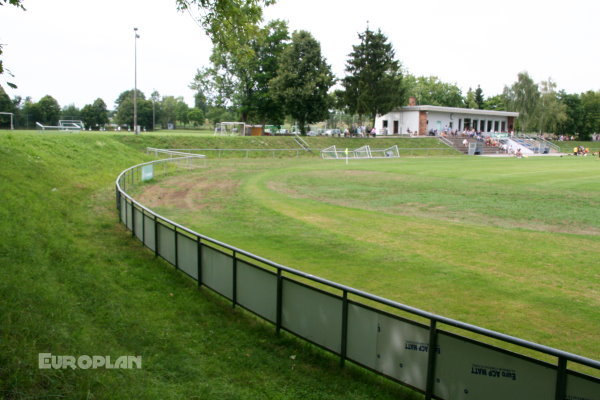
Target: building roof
(456,110)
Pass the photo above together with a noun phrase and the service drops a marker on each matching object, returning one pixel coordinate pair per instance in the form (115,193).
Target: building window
(385,123)
(503,126)
(489,129)
(496,126)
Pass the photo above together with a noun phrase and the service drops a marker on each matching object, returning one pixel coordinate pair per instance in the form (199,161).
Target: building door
(395,127)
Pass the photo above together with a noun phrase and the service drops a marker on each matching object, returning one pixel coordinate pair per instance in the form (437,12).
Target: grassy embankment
(73,282)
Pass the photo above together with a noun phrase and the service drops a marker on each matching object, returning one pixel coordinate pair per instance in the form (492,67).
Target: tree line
(279,76)
(263,74)
(153,112)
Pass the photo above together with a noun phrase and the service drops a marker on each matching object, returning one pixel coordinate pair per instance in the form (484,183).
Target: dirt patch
(190,192)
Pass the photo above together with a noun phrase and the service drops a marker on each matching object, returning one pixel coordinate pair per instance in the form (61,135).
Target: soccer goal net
(230,128)
(71,125)
(390,152)
(364,152)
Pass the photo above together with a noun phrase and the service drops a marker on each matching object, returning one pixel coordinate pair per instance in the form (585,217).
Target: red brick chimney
(412,101)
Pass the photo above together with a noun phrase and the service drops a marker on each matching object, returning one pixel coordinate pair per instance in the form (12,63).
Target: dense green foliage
(431,91)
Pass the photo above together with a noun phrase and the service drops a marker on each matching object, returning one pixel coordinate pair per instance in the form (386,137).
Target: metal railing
(357,326)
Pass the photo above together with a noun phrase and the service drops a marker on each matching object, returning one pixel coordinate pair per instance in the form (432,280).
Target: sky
(79,50)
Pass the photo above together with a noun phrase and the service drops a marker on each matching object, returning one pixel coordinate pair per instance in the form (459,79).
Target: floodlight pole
(136,36)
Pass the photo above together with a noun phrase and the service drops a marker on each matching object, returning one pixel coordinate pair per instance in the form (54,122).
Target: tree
(590,102)
(479,100)
(470,99)
(497,102)
(523,96)
(70,111)
(181,111)
(241,82)
(95,115)
(373,85)
(303,80)
(551,111)
(6,104)
(156,108)
(196,116)
(18,4)
(124,111)
(47,111)
(431,91)
(228,23)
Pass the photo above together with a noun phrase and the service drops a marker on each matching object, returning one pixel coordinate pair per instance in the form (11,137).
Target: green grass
(507,244)
(74,282)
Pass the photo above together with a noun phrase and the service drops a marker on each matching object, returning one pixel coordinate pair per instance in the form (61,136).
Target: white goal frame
(230,129)
(12,126)
(364,152)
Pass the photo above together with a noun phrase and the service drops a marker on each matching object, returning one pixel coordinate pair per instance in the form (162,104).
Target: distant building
(423,120)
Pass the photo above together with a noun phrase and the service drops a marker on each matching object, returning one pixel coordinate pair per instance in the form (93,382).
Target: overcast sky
(79,50)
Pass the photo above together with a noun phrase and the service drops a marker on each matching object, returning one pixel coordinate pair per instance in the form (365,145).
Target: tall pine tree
(373,84)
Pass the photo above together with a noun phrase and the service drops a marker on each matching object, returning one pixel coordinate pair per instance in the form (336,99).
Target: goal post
(11,117)
(71,124)
(230,129)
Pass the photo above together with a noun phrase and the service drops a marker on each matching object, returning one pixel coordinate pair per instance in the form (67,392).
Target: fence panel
(582,388)
(312,314)
(166,243)
(257,290)
(128,212)
(390,345)
(217,271)
(187,253)
(402,351)
(466,369)
(149,234)
(138,223)
(362,335)
(122,208)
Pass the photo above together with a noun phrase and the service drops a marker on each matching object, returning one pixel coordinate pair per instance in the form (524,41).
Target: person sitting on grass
(518,154)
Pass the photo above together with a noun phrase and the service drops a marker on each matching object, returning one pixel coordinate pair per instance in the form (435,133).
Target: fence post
(125,213)
(279,300)
(234,282)
(431,359)
(561,379)
(155,237)
(118,194)
(176,249)
(143,227)
(344,344)
(199,261)
(132,220)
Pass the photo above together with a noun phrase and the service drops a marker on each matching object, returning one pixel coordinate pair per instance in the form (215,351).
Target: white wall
(406,120)
(410,120)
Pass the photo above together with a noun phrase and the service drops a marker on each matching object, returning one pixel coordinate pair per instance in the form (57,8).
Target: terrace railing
(438,356)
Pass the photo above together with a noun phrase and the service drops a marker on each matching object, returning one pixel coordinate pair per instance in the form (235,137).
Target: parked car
(332,132)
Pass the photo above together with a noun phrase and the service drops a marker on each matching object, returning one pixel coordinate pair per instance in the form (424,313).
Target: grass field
(508,244)
(74,282)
